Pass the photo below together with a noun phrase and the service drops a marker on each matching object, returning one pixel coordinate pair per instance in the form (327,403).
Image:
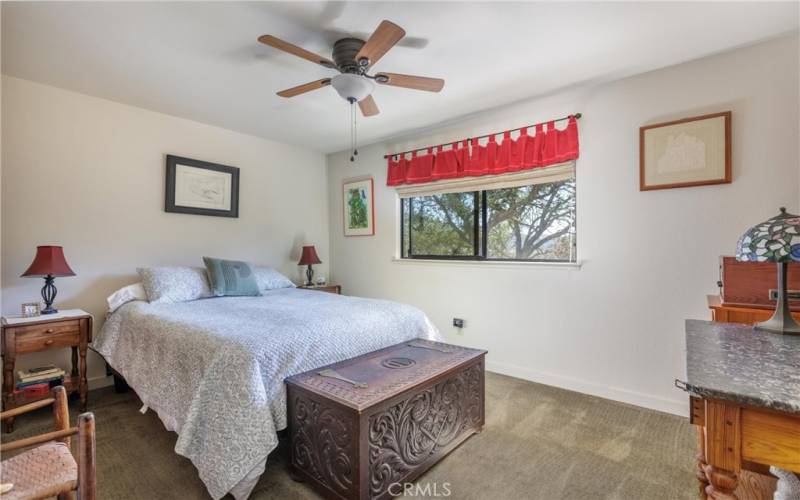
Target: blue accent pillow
(231,277)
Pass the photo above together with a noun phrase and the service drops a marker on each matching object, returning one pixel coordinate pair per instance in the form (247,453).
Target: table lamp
(308,258)
(775,240)
(48,263)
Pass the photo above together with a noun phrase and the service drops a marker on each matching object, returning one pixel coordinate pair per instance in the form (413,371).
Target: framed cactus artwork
(358,204)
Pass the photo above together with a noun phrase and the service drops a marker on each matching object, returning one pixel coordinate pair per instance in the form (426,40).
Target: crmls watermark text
(428,490)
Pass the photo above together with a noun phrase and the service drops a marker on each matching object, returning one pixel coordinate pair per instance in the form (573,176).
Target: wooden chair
(50,469)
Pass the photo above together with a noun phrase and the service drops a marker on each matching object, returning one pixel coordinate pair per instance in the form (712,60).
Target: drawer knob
(48,342)
(49,330)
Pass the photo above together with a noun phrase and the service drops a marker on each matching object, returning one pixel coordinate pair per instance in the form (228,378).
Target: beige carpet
(539,443)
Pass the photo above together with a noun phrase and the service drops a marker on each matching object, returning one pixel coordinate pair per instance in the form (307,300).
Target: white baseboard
(675,406)
(98,382)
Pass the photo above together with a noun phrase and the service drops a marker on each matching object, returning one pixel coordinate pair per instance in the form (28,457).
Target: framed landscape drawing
(690,152)
(201,188)
(358,207)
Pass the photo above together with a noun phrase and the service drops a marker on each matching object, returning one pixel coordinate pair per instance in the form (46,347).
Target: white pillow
(124,295)
(270,279)
(171,284)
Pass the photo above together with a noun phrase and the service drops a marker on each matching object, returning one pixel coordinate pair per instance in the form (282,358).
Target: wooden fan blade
(368,106)
(295,50)
(382,39)
(306,87)
(410,81)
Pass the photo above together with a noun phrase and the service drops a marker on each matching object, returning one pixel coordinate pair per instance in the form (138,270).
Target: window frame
(476,245)
(481,234)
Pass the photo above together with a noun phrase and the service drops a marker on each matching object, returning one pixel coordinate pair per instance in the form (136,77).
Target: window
(527,223)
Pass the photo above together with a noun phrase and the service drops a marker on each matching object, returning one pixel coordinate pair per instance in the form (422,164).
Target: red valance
(467,158)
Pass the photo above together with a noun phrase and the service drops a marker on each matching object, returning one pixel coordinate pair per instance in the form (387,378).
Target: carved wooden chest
(363,427)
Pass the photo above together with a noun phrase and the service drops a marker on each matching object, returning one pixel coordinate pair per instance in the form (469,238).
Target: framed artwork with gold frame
(693,151)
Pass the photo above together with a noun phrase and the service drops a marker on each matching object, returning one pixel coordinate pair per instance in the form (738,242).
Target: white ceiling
(201,60)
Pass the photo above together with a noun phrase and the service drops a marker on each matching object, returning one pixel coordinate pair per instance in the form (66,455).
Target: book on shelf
(38,372)
(33,391)
(41,369)
(39,389)
(53,381)
(43,376)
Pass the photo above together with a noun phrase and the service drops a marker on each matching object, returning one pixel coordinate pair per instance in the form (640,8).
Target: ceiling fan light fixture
(352,87)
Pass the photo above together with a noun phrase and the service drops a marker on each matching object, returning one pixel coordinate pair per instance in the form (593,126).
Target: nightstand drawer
(48,336)
(324,288)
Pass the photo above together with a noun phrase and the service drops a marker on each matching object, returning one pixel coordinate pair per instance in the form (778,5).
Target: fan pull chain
(355,131)
(352,128)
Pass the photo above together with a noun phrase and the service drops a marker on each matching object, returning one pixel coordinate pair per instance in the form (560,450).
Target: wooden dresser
(754,481)
(740,314)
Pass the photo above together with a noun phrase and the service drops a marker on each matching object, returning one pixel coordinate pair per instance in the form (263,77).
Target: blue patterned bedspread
(213,369)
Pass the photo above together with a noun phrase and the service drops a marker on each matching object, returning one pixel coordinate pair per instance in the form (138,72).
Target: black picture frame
(169,198)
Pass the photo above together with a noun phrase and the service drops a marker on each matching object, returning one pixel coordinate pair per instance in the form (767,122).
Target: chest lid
(374,377)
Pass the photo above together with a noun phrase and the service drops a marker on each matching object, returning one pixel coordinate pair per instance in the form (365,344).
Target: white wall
(614,327)
(88,174)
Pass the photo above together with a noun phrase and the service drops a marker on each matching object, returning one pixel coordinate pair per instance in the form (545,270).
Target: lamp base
(781,320)
(48,310)
(309,276)
(49,295)
(779,323)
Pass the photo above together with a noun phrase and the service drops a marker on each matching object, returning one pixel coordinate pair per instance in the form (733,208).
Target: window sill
(490,263)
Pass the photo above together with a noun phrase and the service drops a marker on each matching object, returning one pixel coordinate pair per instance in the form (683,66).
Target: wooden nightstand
(324,288)
(69,328)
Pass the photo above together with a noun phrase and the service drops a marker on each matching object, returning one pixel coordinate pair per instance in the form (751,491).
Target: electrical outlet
(458,322)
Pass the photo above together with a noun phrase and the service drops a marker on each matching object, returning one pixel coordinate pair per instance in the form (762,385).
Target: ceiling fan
(353,58)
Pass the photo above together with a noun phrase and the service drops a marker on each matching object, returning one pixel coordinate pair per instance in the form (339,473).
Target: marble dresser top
(734,362)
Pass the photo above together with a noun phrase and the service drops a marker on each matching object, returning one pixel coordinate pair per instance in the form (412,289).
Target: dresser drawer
(48,336)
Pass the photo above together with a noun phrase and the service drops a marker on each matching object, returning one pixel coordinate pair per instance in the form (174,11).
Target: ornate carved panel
(408,424)
(452,356)
(404,436)
(322,440)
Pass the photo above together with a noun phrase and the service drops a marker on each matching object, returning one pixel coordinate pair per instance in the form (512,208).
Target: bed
(213,369)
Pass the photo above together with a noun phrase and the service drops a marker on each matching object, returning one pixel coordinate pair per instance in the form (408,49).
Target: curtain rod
(576,115)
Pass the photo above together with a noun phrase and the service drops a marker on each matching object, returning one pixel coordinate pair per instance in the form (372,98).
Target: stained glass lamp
(775,240)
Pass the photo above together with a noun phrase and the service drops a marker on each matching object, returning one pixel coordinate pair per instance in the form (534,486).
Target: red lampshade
(309,256)
(49,260)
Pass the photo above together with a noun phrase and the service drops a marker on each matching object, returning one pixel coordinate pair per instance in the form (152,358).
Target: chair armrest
(26,408)
(60,414)
(41,438)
